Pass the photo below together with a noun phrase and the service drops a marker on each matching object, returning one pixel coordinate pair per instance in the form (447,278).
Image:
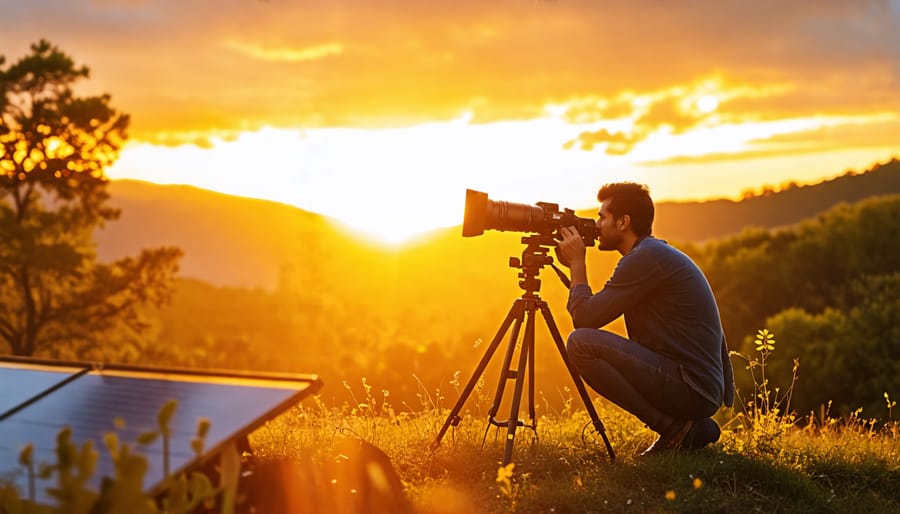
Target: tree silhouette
(54,147)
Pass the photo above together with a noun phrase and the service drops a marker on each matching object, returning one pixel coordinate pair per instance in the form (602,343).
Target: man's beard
(608,243)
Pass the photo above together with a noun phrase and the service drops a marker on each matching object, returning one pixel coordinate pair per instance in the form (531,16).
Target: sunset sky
(381,113)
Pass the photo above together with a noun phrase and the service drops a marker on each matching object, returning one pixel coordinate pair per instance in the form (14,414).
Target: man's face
(610,235)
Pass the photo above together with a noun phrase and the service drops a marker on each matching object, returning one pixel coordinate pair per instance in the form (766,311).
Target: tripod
(524,309)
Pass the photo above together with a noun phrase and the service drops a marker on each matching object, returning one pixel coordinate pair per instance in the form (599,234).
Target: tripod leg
(576,377)
(531,414)
(505,372)
(525,352)
(516,312)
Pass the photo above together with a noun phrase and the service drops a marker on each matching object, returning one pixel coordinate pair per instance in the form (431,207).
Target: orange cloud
(673,110)
(617,143)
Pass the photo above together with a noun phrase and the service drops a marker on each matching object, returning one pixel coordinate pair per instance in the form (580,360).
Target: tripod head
(534,258)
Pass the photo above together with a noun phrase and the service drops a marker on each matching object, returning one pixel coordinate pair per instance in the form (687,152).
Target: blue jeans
(639,380)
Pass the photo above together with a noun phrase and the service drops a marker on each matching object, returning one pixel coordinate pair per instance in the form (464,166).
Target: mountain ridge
(701,221)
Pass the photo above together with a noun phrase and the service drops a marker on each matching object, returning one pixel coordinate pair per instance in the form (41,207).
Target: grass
(767,459)
(850,465)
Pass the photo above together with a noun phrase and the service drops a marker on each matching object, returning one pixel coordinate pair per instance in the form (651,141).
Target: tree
(758,273)
(54,147)
(849,355)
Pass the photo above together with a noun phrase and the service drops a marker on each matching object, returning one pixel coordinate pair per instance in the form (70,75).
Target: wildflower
(765,341)
(670,495)
(504,473)
(504,478)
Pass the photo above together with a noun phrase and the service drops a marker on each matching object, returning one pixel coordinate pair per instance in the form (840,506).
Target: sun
(387,186)
(391,229)
(707,103)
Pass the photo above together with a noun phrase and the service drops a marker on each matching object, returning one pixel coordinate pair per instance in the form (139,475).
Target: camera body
(542,218)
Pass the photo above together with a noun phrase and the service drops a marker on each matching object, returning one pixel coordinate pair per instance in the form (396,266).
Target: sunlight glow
(707,103)
(394,184)
(389,183)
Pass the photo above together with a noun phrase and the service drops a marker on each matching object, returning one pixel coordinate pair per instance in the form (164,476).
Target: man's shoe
(671,439)
(705,431)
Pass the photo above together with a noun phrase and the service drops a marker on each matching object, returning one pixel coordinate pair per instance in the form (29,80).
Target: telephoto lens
(482,213)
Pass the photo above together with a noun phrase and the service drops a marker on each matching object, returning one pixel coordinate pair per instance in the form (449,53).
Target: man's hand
(572,253)
(571,249)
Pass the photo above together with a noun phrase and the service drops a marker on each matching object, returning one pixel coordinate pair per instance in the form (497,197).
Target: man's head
(625,207)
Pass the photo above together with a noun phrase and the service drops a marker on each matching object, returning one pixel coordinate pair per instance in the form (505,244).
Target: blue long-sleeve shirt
(669,308)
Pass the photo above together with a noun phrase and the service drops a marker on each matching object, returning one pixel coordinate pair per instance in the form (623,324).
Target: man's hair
(631,199)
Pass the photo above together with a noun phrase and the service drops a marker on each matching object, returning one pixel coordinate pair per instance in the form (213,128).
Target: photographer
(673,372)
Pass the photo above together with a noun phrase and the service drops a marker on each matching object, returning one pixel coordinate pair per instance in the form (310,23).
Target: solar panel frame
(39,381)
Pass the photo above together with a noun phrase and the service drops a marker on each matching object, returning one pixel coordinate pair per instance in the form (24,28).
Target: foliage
(831,284)
(767,415)
(54,147)
(122,493)
(760,273)
(850,352)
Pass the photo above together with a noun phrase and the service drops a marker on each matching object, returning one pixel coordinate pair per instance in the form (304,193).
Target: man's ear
(625,222)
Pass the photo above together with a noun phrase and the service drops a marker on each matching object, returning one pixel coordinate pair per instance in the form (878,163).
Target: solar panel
(39,398)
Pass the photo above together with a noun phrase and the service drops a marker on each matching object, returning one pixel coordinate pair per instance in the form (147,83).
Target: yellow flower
(670,495)
(698,483)
(765,341)
(504,473)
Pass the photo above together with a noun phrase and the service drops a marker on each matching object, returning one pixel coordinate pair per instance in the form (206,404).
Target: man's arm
(572,253)
(635,276)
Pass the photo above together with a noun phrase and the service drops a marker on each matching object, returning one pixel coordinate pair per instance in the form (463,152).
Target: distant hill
(235,241)
(228,240)
(702,221)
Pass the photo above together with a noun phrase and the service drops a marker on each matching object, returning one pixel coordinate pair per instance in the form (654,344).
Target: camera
(543,218)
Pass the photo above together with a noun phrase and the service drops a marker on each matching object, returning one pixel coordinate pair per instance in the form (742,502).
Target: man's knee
(593,343)
(579,339)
